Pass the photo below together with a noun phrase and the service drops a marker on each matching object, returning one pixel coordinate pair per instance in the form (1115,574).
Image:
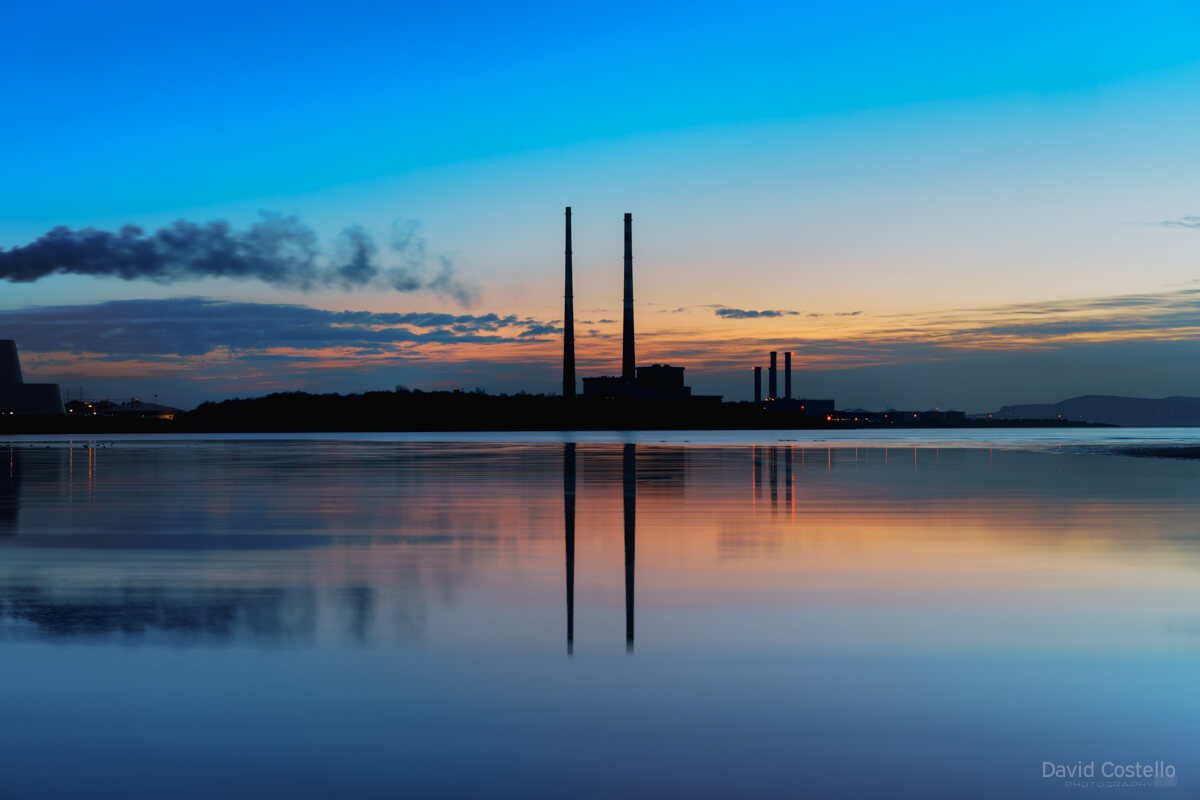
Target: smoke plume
(279,250)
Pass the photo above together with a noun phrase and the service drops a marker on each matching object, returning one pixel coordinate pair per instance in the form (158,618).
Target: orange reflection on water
(977,537)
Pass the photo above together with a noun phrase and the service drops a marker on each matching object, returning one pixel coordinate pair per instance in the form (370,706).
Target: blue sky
(889,159)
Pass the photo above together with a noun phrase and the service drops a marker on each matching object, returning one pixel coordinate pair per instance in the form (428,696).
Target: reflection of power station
(10,491)
(19,397)
(655,382)
(629,502)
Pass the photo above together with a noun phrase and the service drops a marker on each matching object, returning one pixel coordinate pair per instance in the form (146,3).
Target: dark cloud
(279,250)
(738,313)
(195,326)
(541,330)
(425,319)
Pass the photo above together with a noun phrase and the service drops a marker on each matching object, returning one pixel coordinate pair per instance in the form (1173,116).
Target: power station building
(806,406)
(19,397)
(655,382)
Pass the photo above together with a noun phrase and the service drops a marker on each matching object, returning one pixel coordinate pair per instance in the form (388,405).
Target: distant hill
(1110,410)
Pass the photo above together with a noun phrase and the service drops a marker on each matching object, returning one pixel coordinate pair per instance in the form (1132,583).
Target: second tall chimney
(628,368)
(568,322)
(787,375)
(772,382)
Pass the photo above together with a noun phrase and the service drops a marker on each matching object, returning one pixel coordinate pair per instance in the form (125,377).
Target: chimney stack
(569,322)
(758,386)
(628,368)
(772,383)
(787,375)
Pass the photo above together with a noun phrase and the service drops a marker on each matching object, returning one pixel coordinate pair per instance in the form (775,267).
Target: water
(384,616)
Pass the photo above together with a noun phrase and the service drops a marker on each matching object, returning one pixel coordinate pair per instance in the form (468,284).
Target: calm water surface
(381,616)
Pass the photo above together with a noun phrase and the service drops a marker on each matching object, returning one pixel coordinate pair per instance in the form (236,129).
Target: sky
(929,204)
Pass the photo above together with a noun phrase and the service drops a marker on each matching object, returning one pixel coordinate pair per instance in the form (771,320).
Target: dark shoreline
(102,426)
(414,411)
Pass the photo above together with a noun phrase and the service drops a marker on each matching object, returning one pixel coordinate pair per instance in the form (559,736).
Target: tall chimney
(787,375)
(772,383)
(569,322)
(628,370)
(758,386)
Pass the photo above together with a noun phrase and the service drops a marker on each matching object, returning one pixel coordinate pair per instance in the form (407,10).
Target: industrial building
(655,382)
(807,406)
(19,397)
(661,382)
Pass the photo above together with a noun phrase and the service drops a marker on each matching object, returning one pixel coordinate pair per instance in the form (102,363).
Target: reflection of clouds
(209,614)
(194,615)
(255,599)
(1005,500)
(262,542)
(277,542)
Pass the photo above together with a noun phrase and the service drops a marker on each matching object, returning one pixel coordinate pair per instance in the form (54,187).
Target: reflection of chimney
(758,386)
(772,384)
(628,371)
(569,537)
(629,486)
(758,468)
(787,478)
(569,322)
(773,469)
(787,375)
(10,491)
